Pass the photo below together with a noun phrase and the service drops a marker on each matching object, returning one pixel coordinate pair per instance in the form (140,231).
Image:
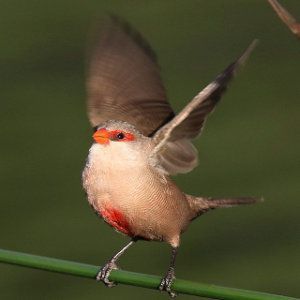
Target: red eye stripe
(120,136)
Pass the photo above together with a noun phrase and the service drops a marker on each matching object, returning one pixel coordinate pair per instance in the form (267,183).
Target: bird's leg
(166,282)
(104,272)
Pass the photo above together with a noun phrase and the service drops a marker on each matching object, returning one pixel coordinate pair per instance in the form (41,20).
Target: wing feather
(124,80)
(189,122)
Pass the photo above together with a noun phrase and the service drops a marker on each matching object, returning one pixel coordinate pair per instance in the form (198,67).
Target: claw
(104,273)
(166,282)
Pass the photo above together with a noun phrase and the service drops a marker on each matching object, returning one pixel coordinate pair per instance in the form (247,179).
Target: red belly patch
(116,219)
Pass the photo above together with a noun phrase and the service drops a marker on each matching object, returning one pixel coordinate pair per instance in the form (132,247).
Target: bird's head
(117,142)
(116,132)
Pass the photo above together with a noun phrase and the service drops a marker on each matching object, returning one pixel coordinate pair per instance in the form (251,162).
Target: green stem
(130,278)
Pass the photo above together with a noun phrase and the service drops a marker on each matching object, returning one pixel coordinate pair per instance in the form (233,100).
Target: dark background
(250,145)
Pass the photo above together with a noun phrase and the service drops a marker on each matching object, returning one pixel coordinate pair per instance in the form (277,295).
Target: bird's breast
(121,197)
(135,199)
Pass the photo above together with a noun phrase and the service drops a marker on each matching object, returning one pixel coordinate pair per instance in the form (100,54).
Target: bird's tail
(200,205)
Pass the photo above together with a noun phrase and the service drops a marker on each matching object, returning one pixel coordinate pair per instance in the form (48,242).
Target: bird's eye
(120,136)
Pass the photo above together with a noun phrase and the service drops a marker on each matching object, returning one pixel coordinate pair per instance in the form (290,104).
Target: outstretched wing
(124,80)
(189,122)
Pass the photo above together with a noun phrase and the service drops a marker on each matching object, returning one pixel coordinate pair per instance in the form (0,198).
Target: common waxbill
(139,142)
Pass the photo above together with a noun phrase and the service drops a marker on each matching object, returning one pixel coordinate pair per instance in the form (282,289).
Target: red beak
(101,136)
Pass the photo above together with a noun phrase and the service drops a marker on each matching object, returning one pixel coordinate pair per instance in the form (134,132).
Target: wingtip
(117,21)
(232,69)
(244,57)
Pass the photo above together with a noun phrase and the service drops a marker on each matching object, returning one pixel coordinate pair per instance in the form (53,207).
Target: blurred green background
(250,145)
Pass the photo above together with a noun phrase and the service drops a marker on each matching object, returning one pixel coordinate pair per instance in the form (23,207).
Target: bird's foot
(104,273)
(166,282)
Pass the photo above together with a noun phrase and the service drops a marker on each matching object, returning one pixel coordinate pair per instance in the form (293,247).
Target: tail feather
(229,202)
(201,205)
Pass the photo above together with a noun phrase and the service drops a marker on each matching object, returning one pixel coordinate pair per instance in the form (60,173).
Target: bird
(139,142)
